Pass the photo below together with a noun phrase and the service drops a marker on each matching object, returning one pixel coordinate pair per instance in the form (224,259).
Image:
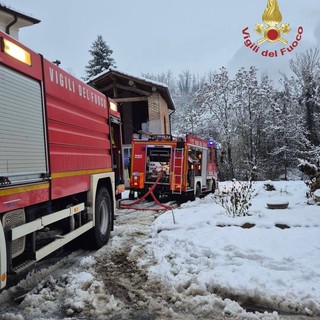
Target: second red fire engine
(188,166)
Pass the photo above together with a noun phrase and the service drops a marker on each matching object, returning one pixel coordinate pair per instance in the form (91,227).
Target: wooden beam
(128,88)
(130,99)
(103,89)
(115,86)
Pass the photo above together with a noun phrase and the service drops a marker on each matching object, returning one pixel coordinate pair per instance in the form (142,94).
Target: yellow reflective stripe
(79,173)
(13,190)
(45,185)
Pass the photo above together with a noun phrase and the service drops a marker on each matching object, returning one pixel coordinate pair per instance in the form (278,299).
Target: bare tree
(287,135)
(216,99)
(306,67)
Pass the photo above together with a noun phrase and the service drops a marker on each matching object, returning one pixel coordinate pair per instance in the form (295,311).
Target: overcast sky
(149,36)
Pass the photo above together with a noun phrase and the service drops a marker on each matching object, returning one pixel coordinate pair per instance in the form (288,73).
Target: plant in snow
(269,186)
(313,172)
(236,199)
(101,58)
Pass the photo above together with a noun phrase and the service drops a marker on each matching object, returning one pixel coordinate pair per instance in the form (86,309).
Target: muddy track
(141,298)
(137,297)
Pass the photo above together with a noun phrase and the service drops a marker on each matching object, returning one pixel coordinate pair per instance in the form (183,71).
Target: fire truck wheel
(102,228)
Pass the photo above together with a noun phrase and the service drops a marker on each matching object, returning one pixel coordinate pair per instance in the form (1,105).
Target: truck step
(23,266)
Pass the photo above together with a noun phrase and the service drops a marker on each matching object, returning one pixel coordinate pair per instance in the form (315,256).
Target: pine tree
(101,58)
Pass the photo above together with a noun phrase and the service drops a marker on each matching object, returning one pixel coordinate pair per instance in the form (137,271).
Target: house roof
(8,16)
(120,85)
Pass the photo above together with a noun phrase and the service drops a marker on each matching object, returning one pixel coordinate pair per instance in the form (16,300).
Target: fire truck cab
(188,165)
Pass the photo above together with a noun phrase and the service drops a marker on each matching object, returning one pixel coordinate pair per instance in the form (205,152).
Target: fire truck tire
(102,228)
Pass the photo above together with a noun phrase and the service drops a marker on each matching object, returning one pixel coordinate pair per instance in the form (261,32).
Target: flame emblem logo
(272,18)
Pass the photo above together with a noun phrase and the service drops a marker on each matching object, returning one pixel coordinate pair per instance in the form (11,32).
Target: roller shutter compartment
(22,137)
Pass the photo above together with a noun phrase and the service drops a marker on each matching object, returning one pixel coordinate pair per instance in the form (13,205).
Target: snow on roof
(27,16)
(129,76)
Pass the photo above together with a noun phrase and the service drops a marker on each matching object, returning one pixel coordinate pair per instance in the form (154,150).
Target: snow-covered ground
(275,263)
(206,265)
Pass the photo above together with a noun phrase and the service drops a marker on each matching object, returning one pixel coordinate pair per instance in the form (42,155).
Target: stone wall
(158,114)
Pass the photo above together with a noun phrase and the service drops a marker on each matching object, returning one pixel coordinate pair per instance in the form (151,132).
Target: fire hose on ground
(149,192)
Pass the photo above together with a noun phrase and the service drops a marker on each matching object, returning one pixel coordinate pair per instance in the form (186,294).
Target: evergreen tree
(101,58)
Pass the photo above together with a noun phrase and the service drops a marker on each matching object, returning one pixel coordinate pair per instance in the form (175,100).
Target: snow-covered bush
(313,172)
(236,198)
(269,186)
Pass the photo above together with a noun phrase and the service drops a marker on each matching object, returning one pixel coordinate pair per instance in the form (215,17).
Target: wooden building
(145,105)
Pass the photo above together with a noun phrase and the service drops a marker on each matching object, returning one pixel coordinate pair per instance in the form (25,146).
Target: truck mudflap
(3,259)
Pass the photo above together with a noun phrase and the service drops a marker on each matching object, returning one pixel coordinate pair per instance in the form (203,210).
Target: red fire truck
(60,159)
(187,166)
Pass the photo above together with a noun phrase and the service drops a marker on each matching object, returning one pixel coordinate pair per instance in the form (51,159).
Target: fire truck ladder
(177,169)
(150,192)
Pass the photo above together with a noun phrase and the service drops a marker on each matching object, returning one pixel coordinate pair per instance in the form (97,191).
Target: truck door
(116,154)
